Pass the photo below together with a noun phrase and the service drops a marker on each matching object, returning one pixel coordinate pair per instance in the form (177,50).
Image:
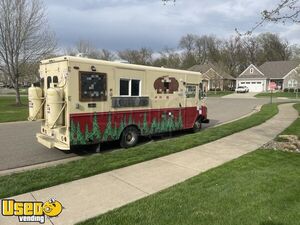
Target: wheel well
(132,125)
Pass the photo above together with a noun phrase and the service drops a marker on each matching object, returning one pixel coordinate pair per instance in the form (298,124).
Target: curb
(15,122)
(255,110)
(39,166)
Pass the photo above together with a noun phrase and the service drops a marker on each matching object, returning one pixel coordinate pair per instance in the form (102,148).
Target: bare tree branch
(24,37)
(285,11)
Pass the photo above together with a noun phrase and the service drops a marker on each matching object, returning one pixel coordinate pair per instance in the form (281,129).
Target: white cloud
(121,24)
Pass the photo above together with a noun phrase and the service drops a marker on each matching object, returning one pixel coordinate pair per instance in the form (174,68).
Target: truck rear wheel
(129,137)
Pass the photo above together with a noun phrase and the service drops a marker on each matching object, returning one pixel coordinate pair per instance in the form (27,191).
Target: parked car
(242,89)
(2,85)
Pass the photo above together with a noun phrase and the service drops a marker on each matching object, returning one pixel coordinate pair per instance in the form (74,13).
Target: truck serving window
(92,86)
(129,87)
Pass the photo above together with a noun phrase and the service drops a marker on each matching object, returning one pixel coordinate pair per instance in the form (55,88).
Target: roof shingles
(203,68)
(278,69)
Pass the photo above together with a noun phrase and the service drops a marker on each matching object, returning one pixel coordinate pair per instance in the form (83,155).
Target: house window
(92,86)
(292,83)
(247,82)
(253,82)
(251,70)
(130,87)
(258,82)
(242,82)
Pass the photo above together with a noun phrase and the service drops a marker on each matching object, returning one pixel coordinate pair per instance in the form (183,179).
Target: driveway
(249,95)
(19,147)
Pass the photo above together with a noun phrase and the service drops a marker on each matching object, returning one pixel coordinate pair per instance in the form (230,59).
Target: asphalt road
(19,148)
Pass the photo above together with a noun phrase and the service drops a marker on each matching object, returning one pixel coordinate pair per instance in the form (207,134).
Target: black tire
(129,137)
(197,126)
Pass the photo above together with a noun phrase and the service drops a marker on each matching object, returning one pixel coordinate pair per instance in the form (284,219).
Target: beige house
(217,78)
(284,73)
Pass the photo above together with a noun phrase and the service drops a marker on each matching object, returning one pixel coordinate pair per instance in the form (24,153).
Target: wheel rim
(197,125)
(130,138)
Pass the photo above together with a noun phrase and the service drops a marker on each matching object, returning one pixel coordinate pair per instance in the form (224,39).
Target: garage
(253,85)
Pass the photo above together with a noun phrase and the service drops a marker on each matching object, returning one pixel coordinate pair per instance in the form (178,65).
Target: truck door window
(190,91)
(92,86)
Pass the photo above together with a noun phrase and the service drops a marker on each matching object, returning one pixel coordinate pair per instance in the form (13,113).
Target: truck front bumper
(205,120)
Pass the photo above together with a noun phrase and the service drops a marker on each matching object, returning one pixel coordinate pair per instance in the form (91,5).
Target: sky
(132,24)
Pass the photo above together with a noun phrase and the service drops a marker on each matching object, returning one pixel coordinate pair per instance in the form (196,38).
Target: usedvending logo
(31,211)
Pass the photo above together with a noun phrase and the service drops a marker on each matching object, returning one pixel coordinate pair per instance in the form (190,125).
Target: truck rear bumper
(50,142)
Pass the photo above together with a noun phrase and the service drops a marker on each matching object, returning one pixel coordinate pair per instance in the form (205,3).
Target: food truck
(85,101)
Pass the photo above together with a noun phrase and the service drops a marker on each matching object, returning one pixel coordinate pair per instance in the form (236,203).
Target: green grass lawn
(9,112)
(294,129)
(218,93)
(37,179)
(278,94)
(261,188)
(23,91)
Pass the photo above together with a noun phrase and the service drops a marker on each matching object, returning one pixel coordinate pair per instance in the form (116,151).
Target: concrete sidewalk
(95,195)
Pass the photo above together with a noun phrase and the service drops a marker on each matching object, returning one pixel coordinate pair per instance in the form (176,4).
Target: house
(283,73)
(217,78)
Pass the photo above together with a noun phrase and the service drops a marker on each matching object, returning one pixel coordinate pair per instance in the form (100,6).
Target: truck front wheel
(197,126)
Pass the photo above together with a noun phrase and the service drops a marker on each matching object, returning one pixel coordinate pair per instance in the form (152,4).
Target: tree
(142,56)
(207,49)
(187,44)
(86,49)
(168,58)
(199,49)
(273,48)
(107,55)
(233,55)
(285,11)
(251,46)
(24,37)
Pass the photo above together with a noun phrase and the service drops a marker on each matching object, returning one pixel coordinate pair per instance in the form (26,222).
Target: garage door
(254,86)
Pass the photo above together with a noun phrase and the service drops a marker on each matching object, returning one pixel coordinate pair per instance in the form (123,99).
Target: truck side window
(135,87)
(42,83)
(124,87)
(55,79)
(49,81)
(92,86)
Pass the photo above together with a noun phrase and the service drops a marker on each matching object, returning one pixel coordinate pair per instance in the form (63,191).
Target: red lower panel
(105,126)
